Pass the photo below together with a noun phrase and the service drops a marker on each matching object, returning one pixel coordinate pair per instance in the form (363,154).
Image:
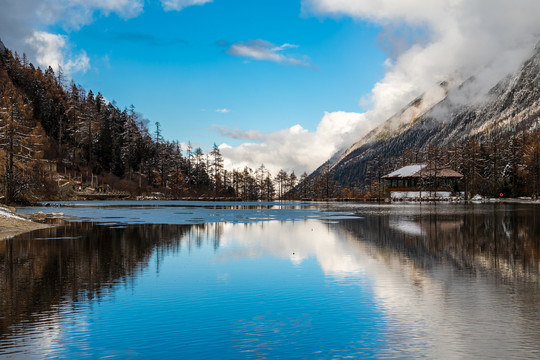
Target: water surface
(281,280)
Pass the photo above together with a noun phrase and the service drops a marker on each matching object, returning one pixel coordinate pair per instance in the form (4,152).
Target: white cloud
(264,50)
(295,148)
(79,64)
(73,14)
(50,50)
(22,23)
(484,38)
(253,135)
(224,110)
(178,5)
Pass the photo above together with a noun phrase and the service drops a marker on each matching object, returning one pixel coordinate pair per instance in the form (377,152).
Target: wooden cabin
(421,180)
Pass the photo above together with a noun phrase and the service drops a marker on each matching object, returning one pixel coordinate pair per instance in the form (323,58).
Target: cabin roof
(422,170)
(406,171)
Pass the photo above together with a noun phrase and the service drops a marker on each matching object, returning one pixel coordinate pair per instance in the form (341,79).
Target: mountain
(450,115)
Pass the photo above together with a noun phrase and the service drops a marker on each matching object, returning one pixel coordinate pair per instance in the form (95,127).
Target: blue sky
(287,83)
(174,66)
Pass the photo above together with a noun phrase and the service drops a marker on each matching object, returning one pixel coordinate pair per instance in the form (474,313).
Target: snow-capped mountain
(447,115)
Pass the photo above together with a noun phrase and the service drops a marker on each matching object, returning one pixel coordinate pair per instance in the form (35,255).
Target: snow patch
(420,194)
(5,213)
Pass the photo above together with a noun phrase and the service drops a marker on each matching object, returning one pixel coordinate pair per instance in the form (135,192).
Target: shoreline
(13,223)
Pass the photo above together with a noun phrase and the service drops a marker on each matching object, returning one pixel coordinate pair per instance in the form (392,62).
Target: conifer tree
(19,141)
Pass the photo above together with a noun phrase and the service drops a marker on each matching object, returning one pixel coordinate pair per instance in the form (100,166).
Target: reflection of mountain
(504,242)
(73,262)
(500,241)
(465,283)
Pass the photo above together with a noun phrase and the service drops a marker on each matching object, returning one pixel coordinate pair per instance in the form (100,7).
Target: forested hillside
(494,142)
(55,135)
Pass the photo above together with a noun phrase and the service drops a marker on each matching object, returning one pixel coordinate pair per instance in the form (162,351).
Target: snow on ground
(6,213)
(420,194)
(12,224)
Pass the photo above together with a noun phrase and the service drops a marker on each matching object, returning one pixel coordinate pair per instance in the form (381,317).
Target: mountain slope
(513,104)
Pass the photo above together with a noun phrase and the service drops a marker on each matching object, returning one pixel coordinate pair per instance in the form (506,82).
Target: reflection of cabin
(421,180)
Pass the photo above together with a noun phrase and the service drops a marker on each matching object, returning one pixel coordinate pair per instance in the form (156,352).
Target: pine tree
(304,185)
(19,142)
(281,180)
(216,168)
(291,182)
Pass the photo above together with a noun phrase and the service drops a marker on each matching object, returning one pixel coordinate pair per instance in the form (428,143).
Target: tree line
(51,127)
(504,162)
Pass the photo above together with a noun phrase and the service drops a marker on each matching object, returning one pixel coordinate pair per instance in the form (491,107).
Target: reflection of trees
(464,280)
(81,260)
(504,241)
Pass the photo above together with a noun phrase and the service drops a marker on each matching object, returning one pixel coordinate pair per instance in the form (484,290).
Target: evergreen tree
(216,168)
(19,141)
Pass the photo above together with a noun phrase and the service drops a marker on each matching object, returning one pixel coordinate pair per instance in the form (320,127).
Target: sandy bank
(12,223)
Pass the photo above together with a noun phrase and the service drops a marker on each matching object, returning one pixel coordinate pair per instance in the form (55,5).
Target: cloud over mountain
(428,42)
(458,39)
(295,148)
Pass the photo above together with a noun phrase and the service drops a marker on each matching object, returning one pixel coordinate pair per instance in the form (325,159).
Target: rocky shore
(12,223)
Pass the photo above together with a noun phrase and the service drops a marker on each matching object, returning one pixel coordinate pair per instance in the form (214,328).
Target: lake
(186,280)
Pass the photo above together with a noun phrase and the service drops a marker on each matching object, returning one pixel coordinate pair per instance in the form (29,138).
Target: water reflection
(499,241)
(464,284)
(433,283)
(41,270)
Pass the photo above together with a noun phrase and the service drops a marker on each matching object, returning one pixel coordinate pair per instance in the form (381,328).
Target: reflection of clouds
(434,310)
(49,333)
(455,316)
(42,340)
(419,228)
(295,241)
(406,226)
